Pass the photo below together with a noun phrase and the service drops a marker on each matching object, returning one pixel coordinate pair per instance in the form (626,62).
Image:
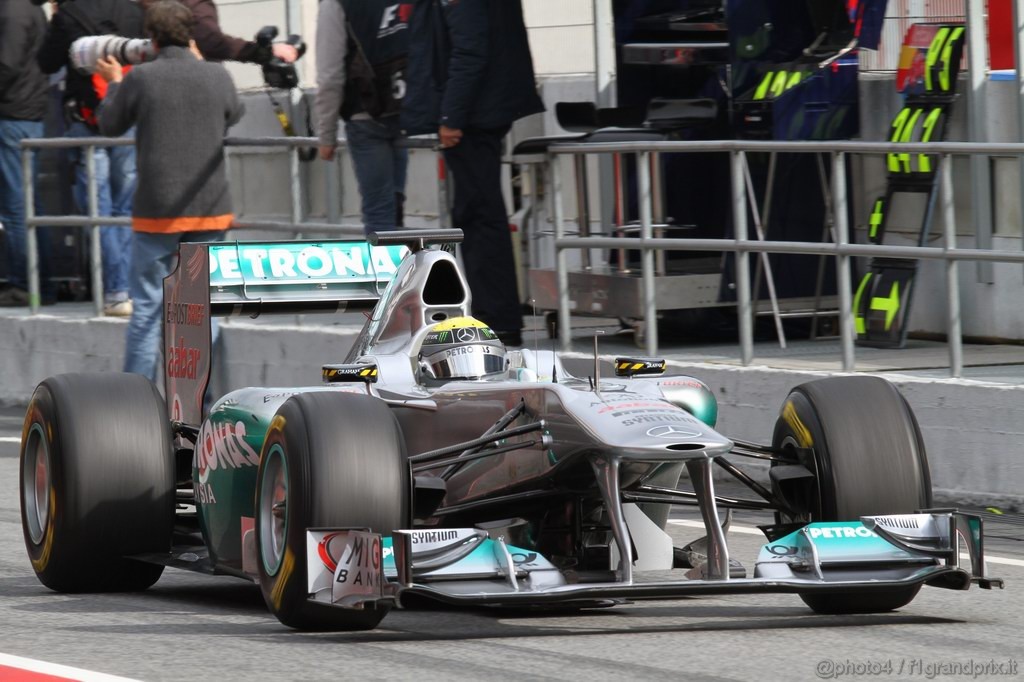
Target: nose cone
(679,440)
(668,434)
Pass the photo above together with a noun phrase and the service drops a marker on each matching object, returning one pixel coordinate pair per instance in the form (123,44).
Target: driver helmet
(461,348)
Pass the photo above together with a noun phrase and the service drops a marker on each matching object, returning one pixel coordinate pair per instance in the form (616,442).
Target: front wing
(350,568)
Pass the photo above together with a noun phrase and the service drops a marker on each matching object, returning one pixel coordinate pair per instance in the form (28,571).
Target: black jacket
(469,66)
(22,84)
(114,17)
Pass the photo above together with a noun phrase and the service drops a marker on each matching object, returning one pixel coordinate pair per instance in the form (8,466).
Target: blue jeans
(153,258)
(380,169)
(115,184)
(12,204)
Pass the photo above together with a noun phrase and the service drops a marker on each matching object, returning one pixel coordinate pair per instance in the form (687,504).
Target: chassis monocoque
(531,488)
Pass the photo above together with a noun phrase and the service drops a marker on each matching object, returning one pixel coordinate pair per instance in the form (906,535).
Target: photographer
(115,166)
(181,106)
(361,50)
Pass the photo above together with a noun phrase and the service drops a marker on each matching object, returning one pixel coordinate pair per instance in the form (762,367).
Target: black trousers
(479,211)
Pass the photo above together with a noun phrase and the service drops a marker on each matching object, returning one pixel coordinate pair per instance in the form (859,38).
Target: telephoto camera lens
(86,52)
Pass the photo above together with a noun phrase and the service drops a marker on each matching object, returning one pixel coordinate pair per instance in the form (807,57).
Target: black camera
(276,72)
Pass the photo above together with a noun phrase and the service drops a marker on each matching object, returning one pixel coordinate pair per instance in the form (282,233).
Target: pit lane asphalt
(196,627)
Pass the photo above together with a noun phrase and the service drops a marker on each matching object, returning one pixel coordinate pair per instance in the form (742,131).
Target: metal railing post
(956,360)
(977,101)
(647,255)
(444,217)
(843,270)
(1018,50)
(295,186)
(739,220)
(583,205)
(658,205)
(333,189)
(31,245)
(561,266)
(96,261)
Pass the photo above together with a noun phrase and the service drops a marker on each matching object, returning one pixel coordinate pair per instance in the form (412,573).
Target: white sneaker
(118,308)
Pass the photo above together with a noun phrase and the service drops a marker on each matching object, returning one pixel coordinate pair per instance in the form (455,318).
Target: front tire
(861,441)
(329,460)
(97,482)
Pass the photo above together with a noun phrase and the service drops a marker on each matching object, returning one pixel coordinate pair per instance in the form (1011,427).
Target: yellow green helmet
(461,348)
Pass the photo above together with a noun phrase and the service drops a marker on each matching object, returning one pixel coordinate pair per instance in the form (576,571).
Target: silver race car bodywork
(530,487)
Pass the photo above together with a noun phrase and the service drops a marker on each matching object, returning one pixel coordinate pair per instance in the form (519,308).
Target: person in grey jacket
(361,56)
(181,107)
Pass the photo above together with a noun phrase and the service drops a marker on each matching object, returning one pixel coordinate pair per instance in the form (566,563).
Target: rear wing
(257,278)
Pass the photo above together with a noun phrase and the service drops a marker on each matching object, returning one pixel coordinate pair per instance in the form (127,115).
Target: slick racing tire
(329,460)
(861,441)
(97,482)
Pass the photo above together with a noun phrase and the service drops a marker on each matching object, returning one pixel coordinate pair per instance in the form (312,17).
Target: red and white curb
(18,669)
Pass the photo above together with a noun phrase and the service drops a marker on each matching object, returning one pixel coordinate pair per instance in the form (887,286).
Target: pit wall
(972,430)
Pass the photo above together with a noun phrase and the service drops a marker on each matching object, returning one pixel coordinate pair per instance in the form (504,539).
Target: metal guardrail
(742,246)
(94,221)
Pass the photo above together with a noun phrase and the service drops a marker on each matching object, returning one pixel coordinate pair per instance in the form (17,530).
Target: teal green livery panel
(839,542)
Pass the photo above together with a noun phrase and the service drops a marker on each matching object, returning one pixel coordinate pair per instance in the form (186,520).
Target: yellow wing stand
(928,75)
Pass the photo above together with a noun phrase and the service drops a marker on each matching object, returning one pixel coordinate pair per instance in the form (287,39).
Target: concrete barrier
(974,431)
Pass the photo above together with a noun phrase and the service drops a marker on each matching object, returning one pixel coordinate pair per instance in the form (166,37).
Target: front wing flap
(469,566)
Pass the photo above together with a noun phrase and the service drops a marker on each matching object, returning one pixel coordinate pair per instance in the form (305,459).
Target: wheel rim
(273,511)
(35,484)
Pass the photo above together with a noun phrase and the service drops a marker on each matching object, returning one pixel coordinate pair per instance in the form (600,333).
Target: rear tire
(868,458)
(329,460)
(97,482)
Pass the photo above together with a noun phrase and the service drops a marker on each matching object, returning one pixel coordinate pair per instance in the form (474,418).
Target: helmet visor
(466,362)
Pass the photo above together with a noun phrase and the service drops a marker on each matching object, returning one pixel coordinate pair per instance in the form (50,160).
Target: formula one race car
(435,462)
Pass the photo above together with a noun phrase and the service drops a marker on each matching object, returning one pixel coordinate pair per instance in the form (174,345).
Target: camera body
(277,73)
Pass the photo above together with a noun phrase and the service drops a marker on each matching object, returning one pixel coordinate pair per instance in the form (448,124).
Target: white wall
(561,36)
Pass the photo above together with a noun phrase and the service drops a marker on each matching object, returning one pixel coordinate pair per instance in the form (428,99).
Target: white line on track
(44,668)
(746,530)
(10,439)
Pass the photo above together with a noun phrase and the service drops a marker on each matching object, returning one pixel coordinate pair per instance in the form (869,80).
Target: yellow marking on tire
(43,561)
(802,433)
(285,572)
(277,423)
